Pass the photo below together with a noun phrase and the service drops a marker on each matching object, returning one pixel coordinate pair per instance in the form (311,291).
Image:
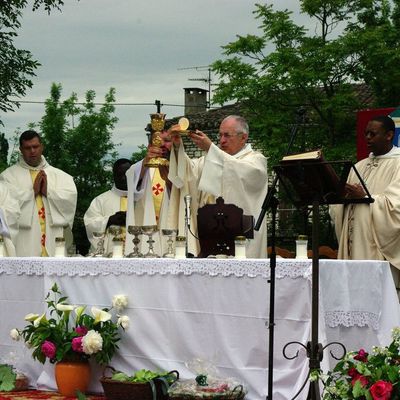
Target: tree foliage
(17,66)
(287,66)
(78,139)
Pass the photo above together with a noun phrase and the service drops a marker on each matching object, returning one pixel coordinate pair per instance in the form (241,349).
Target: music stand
(315,182)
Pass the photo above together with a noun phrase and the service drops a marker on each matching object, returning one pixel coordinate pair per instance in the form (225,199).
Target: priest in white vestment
(148,195)
(232,170)
(372,231)
(47,199)
(9,215)
(109,208)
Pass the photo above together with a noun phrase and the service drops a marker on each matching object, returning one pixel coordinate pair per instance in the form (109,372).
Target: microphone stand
(271,202)
(188,200)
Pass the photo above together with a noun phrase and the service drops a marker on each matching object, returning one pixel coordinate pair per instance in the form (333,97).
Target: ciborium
(99,236)
(149,230)
(170,250)
(135,231)
(157,126)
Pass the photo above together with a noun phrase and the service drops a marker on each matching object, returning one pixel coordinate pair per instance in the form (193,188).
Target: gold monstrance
(157,125)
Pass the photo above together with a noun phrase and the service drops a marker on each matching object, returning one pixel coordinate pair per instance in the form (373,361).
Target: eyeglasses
(229,135)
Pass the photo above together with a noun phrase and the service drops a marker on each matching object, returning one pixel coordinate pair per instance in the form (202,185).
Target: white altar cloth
(212,309)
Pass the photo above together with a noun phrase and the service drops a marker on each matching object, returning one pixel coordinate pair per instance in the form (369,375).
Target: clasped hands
(40,184)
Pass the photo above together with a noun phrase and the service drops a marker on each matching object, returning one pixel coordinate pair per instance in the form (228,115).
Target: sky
(146,49)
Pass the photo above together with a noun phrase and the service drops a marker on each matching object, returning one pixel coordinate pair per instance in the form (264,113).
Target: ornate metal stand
(314,349)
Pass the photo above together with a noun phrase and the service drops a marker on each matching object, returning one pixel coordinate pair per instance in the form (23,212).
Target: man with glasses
(232,170)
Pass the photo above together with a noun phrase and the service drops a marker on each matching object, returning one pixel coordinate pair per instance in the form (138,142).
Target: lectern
(314,182)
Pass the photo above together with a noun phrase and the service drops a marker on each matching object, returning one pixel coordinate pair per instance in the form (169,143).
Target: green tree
(3,152)
(288,66)
(140,154)
(84,149)
(17,66)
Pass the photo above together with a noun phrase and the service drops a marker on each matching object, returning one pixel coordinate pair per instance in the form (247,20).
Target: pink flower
(77,344)
(81,330)
(361,356)
(48,349)
(381,390)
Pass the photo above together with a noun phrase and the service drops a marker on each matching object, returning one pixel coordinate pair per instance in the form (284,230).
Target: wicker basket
(116,390)
(237,393)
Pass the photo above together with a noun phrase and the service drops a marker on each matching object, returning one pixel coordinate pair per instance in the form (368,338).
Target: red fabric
(41,394)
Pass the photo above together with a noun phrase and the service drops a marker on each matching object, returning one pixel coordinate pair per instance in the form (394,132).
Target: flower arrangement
(360,375)
(68,333)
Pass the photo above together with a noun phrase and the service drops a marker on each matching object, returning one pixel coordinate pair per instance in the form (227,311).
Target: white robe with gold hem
(60,205)
(372,231)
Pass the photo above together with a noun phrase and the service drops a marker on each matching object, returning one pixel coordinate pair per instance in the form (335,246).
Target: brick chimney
(195,100)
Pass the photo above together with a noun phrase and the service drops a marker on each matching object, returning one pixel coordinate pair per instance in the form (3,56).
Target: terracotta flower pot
(72,376)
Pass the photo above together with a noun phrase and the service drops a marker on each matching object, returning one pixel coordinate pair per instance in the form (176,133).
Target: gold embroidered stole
(123,207)
(41,215)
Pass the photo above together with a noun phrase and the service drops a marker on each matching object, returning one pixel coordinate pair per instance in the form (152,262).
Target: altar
(212,309)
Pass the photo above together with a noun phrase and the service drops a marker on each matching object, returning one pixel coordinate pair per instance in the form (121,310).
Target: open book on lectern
(307,177)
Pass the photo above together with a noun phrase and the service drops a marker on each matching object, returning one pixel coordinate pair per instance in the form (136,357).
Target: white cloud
(136,46)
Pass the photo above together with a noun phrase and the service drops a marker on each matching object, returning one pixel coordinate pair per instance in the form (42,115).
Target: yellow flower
(39,320)
(100,315)
(65,307)
(31,317)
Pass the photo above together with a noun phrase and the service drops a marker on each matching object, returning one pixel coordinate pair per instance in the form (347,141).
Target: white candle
(240,251)
(240,247)
(1,248)
(59,251)
(301,249)
(118,249)
(180,252)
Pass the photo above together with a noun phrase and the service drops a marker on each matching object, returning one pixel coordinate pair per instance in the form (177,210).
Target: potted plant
(68,336)
(366,376)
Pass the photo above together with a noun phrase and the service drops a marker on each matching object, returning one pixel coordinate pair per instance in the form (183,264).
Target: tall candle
(301,247)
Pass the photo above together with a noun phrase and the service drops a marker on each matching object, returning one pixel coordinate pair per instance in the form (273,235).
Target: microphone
(188,201)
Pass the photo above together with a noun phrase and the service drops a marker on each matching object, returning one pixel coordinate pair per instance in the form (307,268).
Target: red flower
(381,390)
(352,372)
(361,356)
(363,380)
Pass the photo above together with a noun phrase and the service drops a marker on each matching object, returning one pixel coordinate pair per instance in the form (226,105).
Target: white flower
(100,315)
(79,311)
(123,321)
(65,307)
(15,334)
(92,342)
(120,301)
(31,317)
(38,320)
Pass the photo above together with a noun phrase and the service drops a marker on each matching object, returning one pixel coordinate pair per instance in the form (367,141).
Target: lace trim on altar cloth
(79,266)
(352,318)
